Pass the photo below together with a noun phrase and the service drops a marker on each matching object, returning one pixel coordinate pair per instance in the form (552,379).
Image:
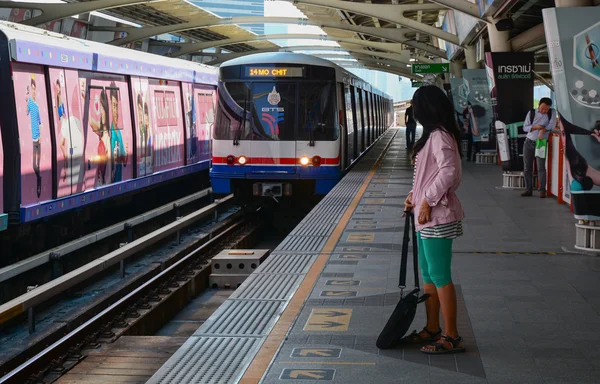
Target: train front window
(316,113)
(233,117)
(274,111)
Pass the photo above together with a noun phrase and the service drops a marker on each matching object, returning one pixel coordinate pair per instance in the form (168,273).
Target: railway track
(53,263)
(124,309)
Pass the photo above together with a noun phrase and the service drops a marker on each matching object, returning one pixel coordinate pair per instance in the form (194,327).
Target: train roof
(38,46)
(300,58)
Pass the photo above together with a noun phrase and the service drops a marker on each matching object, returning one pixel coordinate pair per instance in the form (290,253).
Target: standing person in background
(438,172)
(538,123)
(411,127)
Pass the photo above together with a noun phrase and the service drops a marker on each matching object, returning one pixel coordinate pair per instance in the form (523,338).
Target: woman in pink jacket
(437,158)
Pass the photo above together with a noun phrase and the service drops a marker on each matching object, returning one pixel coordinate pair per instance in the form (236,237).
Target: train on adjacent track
(83,122)
(289,124)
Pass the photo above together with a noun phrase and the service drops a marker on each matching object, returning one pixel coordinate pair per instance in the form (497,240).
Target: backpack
(532,115)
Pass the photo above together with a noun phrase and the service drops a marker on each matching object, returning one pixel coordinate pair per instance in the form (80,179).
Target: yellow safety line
(267,351)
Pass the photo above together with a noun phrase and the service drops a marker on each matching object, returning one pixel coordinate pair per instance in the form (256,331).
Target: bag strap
(415,252)
(404,259)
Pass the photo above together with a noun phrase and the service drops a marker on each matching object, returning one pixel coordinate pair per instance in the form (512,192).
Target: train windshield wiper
(242,122)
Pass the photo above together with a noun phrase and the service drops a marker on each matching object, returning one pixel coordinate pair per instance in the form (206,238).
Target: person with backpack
(411,127)
(538,124)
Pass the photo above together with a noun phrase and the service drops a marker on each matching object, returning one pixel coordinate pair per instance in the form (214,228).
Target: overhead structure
(388,34)
(154,13)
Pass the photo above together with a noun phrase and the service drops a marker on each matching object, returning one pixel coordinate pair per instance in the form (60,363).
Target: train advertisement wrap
(109,150)
(67,101)
(199,110)
(573,36)
(206,99)
(34,133)
(167,125)
(143,124)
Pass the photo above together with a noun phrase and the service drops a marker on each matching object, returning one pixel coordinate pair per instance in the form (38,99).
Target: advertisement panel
(510,78)
(34,133)
(479,107)
(573,36)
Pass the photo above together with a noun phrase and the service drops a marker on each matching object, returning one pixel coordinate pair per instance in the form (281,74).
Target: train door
(204,107)
(355,123)
(341,97)
(273,124)
(69,132)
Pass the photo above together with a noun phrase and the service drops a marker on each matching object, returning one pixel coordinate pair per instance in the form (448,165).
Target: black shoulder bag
(405,310)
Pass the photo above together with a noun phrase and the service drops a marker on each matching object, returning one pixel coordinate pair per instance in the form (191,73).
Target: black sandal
(416,338)
(439,347)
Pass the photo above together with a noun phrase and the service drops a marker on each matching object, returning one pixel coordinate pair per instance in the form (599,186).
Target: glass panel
(316,112)
(234,99)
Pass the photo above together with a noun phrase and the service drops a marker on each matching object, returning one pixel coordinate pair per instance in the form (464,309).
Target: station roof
(166,12)
(379,34)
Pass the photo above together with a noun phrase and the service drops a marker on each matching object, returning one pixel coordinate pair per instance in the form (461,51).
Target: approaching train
(290,125)
(83,121)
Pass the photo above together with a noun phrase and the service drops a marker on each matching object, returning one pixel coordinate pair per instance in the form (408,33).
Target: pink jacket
(437,177)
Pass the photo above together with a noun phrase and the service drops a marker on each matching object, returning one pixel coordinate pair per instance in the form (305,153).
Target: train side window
(316,112)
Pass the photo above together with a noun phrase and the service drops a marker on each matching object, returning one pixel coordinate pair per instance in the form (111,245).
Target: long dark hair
(577,163)
(433,109)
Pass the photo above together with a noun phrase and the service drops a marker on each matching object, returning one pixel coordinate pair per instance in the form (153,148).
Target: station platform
(528,308)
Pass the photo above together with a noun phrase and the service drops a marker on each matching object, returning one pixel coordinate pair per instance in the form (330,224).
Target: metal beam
(388,12)
(397,35)
(464,6)
(222,57)
(530,38)
(57,11)
(193,47)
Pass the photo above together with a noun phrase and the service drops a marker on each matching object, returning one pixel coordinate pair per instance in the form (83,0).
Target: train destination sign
(275,72)
(431,68)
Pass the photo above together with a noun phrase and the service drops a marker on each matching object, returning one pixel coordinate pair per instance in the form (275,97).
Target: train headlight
(316,161)
(304,160)
(242,160)
(230,160)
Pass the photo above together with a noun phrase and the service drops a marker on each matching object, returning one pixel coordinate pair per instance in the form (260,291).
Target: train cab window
(316,112)
(274,111)
(234,99)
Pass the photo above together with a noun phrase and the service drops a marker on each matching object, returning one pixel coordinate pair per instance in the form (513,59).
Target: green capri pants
(435,257)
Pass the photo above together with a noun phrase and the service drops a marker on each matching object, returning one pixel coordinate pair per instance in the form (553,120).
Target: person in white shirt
(538,124)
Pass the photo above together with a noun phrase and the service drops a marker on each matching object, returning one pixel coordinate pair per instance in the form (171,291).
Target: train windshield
(316,112)
(256,111)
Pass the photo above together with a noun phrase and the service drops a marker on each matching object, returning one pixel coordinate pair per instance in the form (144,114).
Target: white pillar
(145,45)
(499,41)
(572,3)
(471,57)
(456,67)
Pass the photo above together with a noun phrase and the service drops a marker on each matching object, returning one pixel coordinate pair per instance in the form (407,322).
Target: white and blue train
(290,124)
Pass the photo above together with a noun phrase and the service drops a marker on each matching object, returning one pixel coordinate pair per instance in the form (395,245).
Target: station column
(471,57)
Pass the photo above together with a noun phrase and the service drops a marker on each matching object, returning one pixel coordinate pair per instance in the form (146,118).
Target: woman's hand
(408,205)
(596,134)
(424,213)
